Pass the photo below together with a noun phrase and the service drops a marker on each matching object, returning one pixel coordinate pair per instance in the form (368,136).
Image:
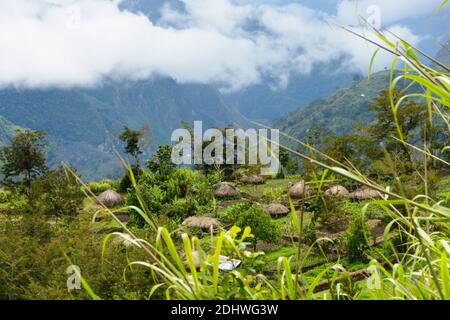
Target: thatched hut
(299,190)
(252,179)
(365,193)
(337,191)
(203,223)
(277,210)
(226,190)
(110,198)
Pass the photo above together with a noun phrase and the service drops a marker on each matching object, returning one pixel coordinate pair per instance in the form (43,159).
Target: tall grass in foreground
(420,270)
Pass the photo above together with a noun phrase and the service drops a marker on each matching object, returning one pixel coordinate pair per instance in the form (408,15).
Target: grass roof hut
(111,198)
(277,210)
(252,179)
(365,193)
(337,191)
(204,223)
(297,191)
(226,190)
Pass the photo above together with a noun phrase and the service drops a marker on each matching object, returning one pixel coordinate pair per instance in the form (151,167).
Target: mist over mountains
(216,61)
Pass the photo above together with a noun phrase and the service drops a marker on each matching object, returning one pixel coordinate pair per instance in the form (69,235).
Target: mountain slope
(7,131)
(265,103)
(339,111)
(443,56)
(81,123)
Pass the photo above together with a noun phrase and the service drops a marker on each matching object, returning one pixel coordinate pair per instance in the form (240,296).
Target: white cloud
(43,45)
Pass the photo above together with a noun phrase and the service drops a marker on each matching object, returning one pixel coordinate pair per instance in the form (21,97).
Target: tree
(288,164)
(161,163)
(57,193)
(24,159)
(409,116)
(135,142)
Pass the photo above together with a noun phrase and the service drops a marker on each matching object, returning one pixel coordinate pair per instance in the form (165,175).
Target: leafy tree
(135,142)
(161,163)
(288,164)
(409,116)
(56,194)
(24,159)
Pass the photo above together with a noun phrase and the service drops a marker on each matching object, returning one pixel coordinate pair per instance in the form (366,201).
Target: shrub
(329,211)
(310,232)
(33,265)
(263,228)
(232,213)
(56,194)
(357,236)
(180,194)
(101,186)
(181,208)
(247,215)
(161,163)
(4,196)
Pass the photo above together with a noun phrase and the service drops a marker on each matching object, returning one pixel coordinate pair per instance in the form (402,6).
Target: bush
(263,228)
(330,212)
(101,186)
(4,196)
(125,182)
(232,213)
(181,208)
(161,163)
(33,265)
(247,215)
(357,236)
(310,232)
(180,194)
(56,194)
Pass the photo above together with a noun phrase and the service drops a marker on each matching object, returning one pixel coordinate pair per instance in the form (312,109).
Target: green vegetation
(374,199)
(24,159)
(83,125)
(134,143)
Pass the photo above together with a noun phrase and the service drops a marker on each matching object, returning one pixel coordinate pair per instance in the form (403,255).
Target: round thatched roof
(337,191)
(204,223)
(252,179)
(225,190)
(276,209)
(297,190)
(364,193)
(110,198)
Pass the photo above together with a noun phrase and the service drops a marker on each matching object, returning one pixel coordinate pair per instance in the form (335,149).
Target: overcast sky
(64,43)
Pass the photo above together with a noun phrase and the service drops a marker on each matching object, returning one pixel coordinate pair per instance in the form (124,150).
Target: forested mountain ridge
(7,130)
(338,112)
(266,103)
(82,124)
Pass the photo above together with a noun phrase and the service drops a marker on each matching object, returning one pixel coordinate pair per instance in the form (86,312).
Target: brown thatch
(110,198)
(364,193)
(276,209)
(252,179)
(226,190)
(337,191)
(297,191)
(204,223)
